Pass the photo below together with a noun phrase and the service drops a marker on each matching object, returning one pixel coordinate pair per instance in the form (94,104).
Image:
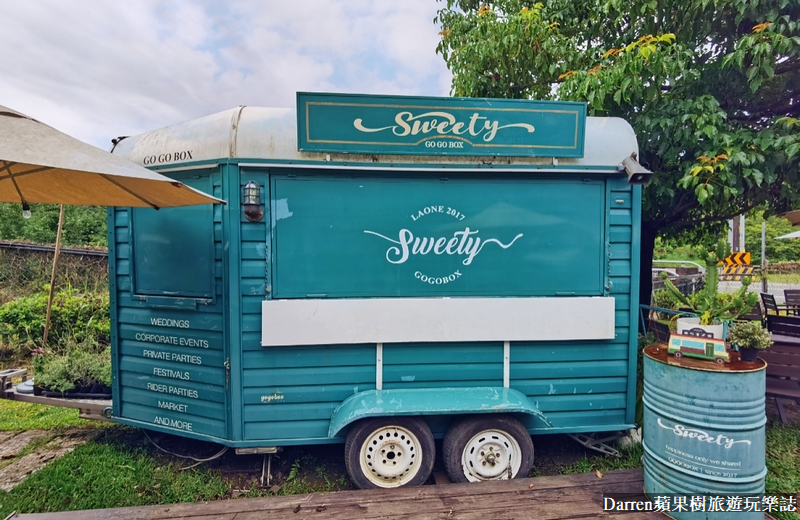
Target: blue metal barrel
(704,430)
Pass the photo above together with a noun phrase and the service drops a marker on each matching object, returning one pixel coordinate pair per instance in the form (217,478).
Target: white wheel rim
(491,455)
(390,456)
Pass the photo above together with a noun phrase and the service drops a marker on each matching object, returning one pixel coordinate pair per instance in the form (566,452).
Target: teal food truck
(387,271)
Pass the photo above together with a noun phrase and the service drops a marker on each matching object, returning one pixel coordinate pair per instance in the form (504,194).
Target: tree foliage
(83,226)
(712,89)
(785,250)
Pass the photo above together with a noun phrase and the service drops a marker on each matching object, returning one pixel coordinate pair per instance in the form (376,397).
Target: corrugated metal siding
(166,378)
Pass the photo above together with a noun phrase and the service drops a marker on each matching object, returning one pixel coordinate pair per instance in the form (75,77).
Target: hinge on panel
(608,282)
(227,372)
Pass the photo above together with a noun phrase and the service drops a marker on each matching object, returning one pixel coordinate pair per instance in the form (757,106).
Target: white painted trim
(379,367)
(187,168)
(506,364)
(401,320)
(524,168)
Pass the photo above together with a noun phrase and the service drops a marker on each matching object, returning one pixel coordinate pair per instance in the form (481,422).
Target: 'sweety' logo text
(690,433)
(461,243)
(441,124)
(466,243)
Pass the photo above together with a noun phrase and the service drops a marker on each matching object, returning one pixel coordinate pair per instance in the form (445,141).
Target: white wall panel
(400,320)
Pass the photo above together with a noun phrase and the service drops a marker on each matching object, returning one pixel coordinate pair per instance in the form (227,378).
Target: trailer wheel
(389,452)
(678,355)
(487,447)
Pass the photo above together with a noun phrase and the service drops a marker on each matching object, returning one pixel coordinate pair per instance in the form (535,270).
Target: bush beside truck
(77,354)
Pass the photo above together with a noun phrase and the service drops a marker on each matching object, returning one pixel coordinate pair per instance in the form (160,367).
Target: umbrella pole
(53,275)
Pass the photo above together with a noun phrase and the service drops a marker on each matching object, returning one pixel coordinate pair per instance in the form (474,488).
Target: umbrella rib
(22,174)
(7,168)
(120,186)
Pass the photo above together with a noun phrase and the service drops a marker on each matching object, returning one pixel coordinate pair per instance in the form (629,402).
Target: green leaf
(701,193)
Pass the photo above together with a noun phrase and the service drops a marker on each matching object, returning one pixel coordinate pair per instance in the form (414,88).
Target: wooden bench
(783,361)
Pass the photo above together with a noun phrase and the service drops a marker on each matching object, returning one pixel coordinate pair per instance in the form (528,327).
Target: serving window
(173,249)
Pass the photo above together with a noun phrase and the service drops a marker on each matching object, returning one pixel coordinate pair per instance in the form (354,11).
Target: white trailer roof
(270,134)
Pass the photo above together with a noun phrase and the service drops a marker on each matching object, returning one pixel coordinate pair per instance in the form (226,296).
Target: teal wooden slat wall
(169,366)
(169,361)
(290,392)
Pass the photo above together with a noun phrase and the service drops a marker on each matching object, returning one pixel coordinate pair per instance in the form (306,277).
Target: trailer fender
(429,401)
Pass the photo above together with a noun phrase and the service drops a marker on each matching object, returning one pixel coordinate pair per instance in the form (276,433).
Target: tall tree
(712,89)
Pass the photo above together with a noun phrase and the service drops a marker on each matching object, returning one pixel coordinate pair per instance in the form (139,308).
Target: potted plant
(749,337)
(76,371)
(712,309)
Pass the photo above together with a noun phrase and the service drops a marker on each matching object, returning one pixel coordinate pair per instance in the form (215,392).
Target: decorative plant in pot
(712,309)
(749,337)
(76,371)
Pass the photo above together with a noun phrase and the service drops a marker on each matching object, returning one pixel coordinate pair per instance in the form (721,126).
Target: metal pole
(53,275)
(764,285)
(742,244)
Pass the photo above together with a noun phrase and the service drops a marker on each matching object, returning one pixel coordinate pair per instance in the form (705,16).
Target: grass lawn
(122,468)
(16,415)
(110,473)
(783,463)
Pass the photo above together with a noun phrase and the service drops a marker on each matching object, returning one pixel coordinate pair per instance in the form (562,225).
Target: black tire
(406,444)
(499,442)
(719,361)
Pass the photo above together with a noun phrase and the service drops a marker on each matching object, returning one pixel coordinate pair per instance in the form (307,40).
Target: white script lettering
(443,123)
(461,243)
(700,435)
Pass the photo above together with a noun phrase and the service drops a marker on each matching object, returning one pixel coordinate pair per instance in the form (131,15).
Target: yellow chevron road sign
(737,259)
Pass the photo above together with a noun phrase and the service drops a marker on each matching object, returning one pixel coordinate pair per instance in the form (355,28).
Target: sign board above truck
(439,126)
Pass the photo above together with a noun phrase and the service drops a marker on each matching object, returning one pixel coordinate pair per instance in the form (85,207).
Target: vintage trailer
(388,270)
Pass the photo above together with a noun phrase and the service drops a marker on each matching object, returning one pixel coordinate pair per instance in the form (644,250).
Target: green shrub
(83,225)
(75,318)
(78,366)
(665,299)
(52,372)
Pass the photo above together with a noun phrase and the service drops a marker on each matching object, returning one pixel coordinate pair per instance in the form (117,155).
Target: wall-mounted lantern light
(252,202)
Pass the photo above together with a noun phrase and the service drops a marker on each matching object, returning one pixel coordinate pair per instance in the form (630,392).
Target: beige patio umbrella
(792,216)
(39,164)
(794,234)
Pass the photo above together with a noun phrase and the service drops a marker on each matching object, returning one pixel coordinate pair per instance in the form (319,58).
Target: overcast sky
(97,69)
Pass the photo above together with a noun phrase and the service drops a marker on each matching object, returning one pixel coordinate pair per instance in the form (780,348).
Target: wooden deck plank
(616,481)
(560,497)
